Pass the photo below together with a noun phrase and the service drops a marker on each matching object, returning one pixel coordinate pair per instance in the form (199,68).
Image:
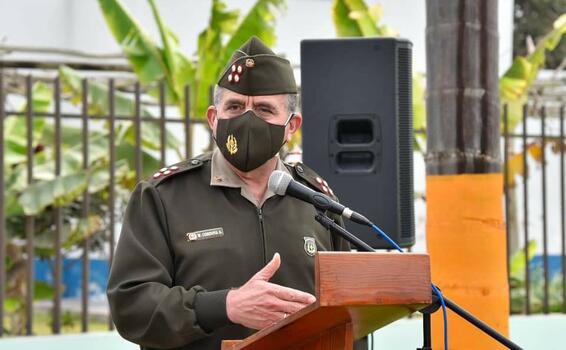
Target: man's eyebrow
(265,104)
(234,101)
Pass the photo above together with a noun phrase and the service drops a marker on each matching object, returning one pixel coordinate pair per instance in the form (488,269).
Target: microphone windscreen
(278,182)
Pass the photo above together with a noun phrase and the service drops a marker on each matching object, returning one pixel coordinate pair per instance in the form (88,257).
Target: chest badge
(310,246)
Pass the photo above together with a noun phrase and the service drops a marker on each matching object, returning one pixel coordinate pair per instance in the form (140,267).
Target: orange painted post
(466,243)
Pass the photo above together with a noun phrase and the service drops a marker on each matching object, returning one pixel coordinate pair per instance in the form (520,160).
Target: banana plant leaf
(222,22)
(65,189)
(354,18)
(149,61)
(515,83)
(142,52)
(124,105)
(213,55)
(72,233)
(59,191)
(98,103)
(152,62)
(180,70)
(15,129)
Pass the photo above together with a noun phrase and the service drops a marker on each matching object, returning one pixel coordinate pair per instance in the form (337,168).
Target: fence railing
(25,225)
(533,156)
(122,148)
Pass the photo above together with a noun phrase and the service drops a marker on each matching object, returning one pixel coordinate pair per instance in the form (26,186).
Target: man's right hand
(259,303)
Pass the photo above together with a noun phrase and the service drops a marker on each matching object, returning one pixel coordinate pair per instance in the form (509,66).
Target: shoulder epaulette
(179,168)
(313,179)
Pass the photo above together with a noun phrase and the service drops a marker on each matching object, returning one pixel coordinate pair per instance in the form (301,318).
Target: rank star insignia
(232,144)
(310,246)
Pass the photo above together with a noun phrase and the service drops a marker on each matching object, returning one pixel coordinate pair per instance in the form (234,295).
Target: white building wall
(79,24)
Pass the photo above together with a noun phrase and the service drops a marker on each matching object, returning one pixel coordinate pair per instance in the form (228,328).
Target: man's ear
(212,117)
(294,125)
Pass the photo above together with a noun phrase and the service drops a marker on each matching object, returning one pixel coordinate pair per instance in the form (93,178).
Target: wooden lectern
(356,294)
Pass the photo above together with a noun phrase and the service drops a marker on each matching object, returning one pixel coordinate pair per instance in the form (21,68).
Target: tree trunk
(465,226)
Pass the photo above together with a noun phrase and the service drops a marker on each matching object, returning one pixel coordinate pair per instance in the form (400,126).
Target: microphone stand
(329,224)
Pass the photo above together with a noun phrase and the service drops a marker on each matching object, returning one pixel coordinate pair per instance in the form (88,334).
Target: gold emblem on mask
(232,144)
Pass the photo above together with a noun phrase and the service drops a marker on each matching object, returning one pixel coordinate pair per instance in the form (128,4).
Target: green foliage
(223,26)
(58,191)
(419,112)
(48,191)
(12,304)
(517,284)
(124,104)
(517,263)
(514,86)
(42,291)
(354,18)
(152,62)
(143,53)
(515,83)
(532,18)
(68,320)
(98,103)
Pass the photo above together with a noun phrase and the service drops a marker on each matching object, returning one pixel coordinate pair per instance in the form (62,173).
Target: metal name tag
(205,234)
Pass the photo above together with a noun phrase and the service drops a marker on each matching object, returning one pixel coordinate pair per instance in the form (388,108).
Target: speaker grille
(405,142)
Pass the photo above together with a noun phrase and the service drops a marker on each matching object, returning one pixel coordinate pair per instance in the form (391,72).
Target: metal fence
(533,156)
(56,117)
(515,146)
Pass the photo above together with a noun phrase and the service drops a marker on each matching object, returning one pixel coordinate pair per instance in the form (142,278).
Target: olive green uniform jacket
(186,240)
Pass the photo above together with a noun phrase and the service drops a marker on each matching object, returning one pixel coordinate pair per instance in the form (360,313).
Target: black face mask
(247,141)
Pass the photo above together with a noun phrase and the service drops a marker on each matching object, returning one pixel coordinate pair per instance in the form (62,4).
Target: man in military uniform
(206,251)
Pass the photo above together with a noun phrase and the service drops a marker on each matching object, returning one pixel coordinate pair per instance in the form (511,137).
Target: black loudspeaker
(358,129)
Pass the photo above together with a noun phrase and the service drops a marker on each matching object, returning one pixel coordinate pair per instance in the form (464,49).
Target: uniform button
(300,168)
(167,172)
(162,169)
(319,180)
(173,168)
(195,162)
(156,175)
(325,183)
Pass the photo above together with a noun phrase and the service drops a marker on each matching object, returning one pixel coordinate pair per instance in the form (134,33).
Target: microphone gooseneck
(282,183)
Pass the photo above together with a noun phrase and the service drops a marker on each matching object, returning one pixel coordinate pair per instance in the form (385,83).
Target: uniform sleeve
(146,306)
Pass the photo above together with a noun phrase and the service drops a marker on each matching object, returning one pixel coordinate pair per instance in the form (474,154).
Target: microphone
(282,184)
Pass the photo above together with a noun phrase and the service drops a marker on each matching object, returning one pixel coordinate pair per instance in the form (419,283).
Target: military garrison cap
(256,70)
